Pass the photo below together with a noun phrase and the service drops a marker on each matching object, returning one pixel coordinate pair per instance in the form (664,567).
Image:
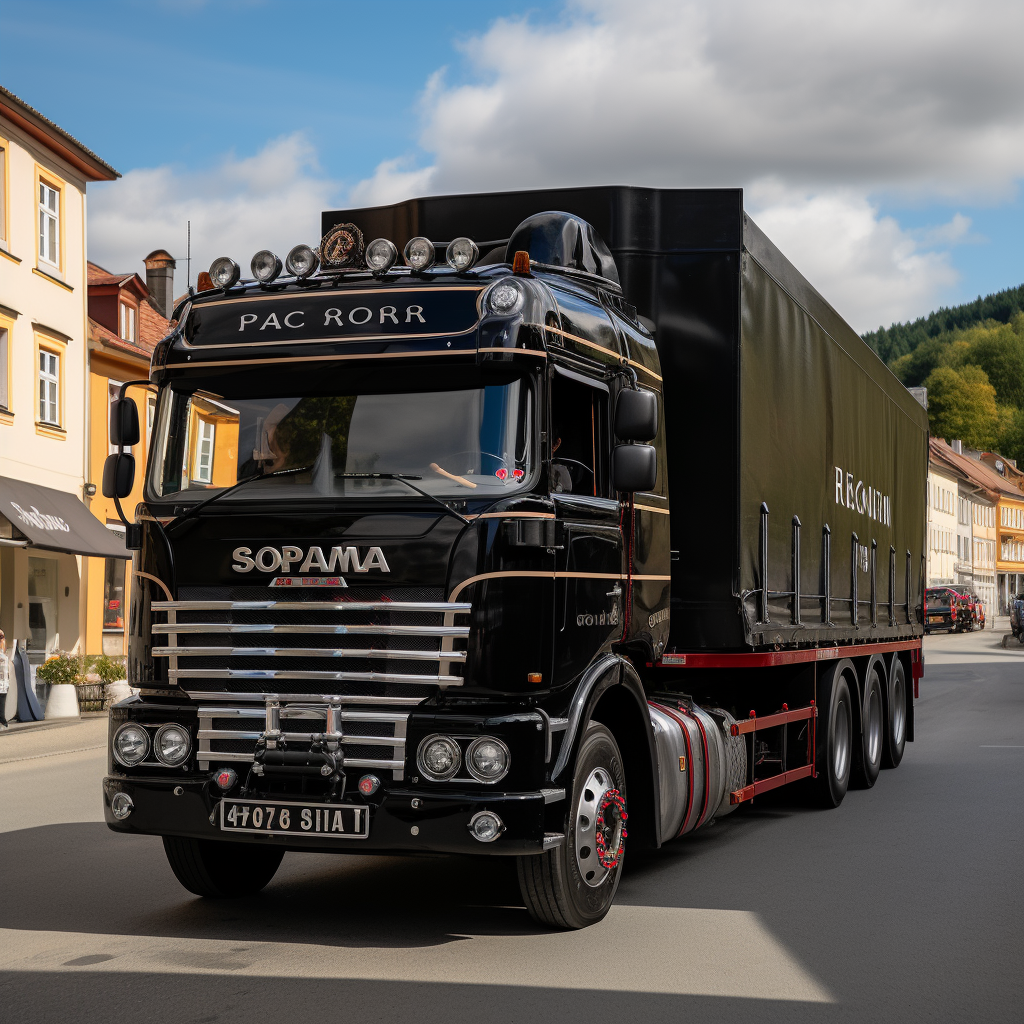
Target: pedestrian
(5,679)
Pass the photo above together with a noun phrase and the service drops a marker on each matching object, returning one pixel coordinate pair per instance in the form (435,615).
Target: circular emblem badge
(342,248)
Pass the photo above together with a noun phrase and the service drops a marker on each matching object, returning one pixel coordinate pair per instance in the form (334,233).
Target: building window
(49,224)
(3,194)
(127,322)
(113,593)
(5,377)
(49,387)
(204,456)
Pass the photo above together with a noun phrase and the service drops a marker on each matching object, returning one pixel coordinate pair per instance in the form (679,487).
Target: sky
(880,143)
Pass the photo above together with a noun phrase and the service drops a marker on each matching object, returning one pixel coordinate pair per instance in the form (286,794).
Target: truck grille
(362,645)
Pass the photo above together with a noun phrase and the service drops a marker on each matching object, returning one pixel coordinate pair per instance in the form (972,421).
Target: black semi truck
(536,524)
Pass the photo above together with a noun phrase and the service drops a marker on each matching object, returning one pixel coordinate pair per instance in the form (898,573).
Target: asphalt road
(904,904)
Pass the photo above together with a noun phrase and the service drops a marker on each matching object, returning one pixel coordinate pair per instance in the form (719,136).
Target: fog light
(462,254)
(265,266)
(487,759)
(369,784)
(172,744)
(131,744)
(224,272)
(121,805)
(302,261)
(225,779)
(505,298)
(419,253)
(381,255)
(486,826)
(439,757)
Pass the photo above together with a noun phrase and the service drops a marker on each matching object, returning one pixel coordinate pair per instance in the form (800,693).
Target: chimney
(957,446)
(160,281)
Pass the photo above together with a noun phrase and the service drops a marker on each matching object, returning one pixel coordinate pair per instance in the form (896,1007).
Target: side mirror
(634,467)
(636,415)
(118,475)
(124,423)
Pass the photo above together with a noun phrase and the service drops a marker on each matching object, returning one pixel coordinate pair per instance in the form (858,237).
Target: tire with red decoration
(573,885)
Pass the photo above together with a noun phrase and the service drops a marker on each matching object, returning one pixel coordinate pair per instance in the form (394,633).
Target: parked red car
(978,606)
(945,608)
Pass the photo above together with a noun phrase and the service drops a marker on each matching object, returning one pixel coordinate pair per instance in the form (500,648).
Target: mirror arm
(132,384)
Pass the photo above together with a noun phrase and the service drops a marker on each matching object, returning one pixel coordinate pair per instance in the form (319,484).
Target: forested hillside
(971,360)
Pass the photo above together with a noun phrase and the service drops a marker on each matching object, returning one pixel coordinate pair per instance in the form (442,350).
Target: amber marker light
(535,677)
(205,282)
(521,263)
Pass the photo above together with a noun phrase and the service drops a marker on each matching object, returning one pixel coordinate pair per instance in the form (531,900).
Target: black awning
(57,521)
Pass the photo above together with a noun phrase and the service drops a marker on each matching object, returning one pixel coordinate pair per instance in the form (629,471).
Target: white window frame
(5,379)
(49,387)
(128,322)
(204,451)
(49,224)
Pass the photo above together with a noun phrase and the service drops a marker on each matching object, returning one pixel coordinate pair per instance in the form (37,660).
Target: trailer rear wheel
(867,759)
(218,870)
(833,755)
(896,731)
(573,885)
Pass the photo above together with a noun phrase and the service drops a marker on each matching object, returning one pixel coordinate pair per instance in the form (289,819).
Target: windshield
(468,443)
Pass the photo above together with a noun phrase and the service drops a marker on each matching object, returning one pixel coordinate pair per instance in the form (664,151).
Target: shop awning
(57,521)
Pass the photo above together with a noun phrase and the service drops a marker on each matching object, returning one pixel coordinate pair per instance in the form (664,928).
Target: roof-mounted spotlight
(265,266)
(302,261)
(419,253)
(381,255)
(224,272)
(462,254)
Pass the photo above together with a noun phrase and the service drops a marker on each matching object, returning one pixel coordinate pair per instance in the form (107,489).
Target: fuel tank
(700,763)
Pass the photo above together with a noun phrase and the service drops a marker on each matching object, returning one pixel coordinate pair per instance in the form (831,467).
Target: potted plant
(110,672)
(61,671)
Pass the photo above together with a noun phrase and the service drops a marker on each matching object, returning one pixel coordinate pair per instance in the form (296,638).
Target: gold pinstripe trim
(651,508)
(517,351)
(160,583)
(318,359)
(540,574)
(333,340)
(512,515)
(599,348)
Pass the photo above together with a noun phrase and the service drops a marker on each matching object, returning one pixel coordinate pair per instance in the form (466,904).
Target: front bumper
(438,823)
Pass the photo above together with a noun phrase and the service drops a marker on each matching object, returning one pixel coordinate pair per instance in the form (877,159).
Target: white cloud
(832,103)
(243,204)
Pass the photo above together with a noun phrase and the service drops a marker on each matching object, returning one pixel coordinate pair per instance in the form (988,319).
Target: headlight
(172,744)
(265,266)
(488,759)
(505,298)
(302,261)
(131,744)
(462,254)
(419,253)
(381,255)
(438,758)
(224,272)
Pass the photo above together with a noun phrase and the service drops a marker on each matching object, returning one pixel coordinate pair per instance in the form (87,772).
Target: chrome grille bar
(262,697)
(438,607)
(260,627)
(337,677)
(307,652)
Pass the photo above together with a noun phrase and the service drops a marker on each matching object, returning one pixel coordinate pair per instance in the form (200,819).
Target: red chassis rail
(766,659)
(781,718)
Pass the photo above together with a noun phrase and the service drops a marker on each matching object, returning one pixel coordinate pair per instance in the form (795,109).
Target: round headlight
(265,266)
(486,826)
(419,253)
(381,255)
(172,744)
(224,272)
(487,759)
(438,757)
(462,254)
(131,744)
(505,298)
(302,261)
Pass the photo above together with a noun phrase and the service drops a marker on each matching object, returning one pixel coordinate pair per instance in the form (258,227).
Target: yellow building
(45,525)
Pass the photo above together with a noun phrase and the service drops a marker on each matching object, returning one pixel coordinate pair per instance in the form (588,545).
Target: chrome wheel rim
(899,708)
(874,729)
(600,830)
(841,741)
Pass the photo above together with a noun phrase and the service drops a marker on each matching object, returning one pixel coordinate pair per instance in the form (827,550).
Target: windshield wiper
(407,480)
(234,487)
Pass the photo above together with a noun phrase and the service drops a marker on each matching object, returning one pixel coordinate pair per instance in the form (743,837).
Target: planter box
(90,696)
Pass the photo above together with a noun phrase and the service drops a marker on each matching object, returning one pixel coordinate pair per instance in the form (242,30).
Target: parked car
(1017,617)
(944,608)
(978,606)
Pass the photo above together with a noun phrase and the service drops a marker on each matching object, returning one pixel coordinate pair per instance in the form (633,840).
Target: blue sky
(245,115)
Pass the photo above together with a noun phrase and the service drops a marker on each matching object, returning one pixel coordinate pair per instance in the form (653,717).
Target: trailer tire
(834,748)
(218,870)
(552,884)
(867,754)
(896,717)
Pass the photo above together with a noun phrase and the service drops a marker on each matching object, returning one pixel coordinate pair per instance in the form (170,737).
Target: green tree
(1011,437)
(999,350)
(962,405)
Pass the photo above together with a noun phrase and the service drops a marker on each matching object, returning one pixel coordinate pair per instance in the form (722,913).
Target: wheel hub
(600,827)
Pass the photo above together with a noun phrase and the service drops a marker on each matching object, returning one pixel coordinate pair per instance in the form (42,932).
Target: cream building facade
(45,525)
(943,491)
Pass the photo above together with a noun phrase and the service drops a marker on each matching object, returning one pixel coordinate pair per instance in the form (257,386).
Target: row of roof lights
(380,255)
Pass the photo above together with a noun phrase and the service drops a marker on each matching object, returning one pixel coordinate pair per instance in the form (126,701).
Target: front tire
(573,885)
(220,870)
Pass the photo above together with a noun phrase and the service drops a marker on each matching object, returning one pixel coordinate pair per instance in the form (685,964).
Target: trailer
(596,526)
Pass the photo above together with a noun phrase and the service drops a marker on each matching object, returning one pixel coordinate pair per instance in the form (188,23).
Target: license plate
(277,818)
(934,618)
